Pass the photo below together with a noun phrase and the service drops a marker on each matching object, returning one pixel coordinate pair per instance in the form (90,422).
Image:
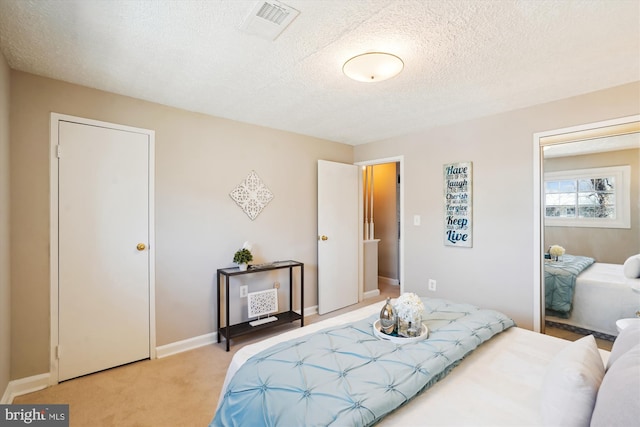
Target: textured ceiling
(463,59)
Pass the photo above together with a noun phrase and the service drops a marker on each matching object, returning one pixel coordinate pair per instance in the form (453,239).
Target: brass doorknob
(141,247)
(323,237)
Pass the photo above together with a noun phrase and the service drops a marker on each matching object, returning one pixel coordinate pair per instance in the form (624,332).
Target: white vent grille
(268,19)
(273,13)
(262,303)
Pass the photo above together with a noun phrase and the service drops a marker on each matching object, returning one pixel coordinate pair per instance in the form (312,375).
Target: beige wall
(199,160)
(5,294)
(497,272)
(610,245)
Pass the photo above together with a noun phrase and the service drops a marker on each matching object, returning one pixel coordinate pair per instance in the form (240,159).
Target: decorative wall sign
(458,204)
(252,195)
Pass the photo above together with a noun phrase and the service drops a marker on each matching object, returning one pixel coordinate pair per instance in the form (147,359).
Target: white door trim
(400,160)
(53,232)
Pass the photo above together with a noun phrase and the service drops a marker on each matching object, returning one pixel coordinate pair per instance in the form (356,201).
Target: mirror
(586,183)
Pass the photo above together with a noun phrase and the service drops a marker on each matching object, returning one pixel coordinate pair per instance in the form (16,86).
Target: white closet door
(104,279)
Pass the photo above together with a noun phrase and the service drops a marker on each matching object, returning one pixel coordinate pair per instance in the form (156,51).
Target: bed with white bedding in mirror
(515,377)
(602,295)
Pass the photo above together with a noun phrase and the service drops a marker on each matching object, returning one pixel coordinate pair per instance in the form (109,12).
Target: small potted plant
(243,256)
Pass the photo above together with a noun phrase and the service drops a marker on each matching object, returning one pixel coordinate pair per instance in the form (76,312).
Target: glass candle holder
(410,327)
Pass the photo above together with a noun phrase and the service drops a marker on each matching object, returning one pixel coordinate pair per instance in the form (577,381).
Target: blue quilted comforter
(560,282)
(345,376)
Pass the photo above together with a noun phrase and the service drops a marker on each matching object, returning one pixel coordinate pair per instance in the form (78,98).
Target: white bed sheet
(602,296)
(497,385)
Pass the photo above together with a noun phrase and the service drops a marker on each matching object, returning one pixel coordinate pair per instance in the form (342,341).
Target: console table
(289,316)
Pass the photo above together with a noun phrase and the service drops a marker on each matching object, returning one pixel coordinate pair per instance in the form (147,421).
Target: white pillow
(571,383)
(618,402)
(631,267)
(628,338)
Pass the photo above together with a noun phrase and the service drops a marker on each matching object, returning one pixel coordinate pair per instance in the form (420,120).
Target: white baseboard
(202,340)
(23,386)
(309,311)
(196,342)
(186,345)
(371,294)
(388,281)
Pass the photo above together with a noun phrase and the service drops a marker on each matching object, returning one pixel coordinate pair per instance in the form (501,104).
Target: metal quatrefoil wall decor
(252,195)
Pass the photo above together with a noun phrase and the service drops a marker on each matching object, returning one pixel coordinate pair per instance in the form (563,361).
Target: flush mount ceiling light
(373,67)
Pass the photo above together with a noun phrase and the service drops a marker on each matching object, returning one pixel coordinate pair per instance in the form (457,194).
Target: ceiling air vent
(268,19)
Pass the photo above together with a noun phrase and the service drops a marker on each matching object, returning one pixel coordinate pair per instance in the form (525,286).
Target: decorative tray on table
(397,338)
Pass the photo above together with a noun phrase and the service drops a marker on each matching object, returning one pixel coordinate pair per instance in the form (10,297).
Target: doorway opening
(382,223)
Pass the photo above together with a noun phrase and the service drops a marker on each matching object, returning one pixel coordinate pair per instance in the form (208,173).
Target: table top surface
(259,267)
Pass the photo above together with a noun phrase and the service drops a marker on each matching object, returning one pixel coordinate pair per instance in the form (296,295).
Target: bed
(599,295)
(507,380)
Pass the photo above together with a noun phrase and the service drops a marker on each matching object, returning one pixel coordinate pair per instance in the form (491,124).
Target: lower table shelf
(223,277)
(245,328)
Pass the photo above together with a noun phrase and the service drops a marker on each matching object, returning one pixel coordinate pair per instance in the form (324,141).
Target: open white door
(338,231)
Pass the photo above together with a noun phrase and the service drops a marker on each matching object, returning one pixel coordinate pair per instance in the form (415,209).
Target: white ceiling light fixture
(373,67)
